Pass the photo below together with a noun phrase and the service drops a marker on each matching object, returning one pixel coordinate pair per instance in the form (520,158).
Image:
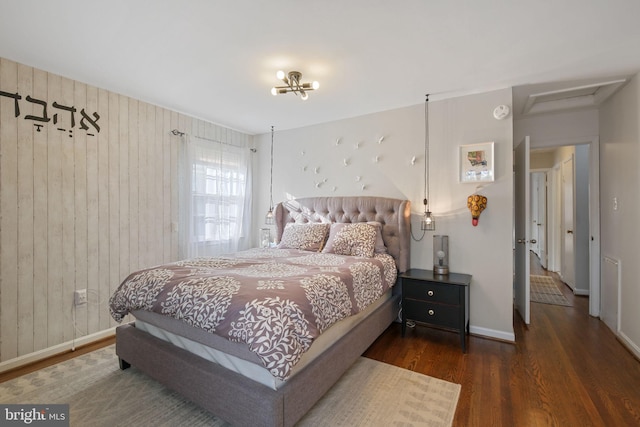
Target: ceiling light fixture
(293,84)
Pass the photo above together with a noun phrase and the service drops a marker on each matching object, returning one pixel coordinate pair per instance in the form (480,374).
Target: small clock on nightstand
(436,300)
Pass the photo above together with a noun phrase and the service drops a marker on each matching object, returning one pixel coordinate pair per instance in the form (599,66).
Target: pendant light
(428,222)
(269,219)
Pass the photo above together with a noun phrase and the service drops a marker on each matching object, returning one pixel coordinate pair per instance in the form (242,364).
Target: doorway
(569,246)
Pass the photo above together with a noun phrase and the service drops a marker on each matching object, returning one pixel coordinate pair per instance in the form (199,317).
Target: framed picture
(476,162)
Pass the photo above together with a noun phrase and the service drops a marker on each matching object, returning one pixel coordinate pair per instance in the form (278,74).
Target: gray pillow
(307,237)
(357,239)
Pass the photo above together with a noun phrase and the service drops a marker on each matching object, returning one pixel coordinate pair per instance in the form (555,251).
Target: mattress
(236,356)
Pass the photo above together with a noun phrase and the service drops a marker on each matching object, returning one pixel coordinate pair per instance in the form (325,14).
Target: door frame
(594,212)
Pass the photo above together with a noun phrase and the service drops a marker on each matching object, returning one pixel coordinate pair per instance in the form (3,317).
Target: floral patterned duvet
(275,300)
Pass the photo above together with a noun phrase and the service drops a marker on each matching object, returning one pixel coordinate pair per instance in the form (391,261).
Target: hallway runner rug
(544,290)
(370,393)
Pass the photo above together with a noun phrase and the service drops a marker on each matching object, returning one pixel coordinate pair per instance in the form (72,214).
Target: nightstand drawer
(429,291)
(436,314)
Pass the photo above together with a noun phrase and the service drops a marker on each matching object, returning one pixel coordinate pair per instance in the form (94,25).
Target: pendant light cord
(426,154)
(271,183)
(426,167)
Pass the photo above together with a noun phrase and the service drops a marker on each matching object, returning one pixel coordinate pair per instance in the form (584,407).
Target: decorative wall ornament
(356,146)
(381,139)
(338,141)
(413,160)
(316,170)
(358,178)
(345,162)
(476,204)
(376,159)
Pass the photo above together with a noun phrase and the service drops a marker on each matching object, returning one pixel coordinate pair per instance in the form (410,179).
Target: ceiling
(216,60)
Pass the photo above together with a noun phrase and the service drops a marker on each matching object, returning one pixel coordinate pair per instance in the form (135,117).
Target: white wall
(547,130)
(620,179)
(484,251)
(79,211)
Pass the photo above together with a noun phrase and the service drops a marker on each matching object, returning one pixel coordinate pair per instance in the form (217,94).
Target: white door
(542,218)
(567,240)
(522,233)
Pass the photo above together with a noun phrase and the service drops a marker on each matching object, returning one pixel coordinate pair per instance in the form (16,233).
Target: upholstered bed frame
(242,401)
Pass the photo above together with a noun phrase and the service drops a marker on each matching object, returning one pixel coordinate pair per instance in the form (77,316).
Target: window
(214,205)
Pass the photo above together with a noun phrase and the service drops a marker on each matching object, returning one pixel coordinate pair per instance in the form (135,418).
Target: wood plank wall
(80,211)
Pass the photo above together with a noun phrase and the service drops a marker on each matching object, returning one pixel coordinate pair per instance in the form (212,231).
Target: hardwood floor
(565,369)
(14,373)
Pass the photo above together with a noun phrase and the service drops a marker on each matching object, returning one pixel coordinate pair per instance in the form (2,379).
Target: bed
(247,387)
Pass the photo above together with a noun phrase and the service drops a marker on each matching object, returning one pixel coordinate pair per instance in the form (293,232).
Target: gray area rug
(371,393)
(544,290)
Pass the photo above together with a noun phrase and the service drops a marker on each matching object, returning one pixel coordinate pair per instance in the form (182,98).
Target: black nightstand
(436,300)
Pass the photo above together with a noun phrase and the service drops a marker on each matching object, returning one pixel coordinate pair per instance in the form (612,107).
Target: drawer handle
(431,312)
(430,293)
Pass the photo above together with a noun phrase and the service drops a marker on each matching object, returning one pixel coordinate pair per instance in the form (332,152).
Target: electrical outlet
(80,297)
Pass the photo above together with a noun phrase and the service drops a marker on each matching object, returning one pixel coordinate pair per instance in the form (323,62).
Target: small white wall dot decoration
(413,160)
(376,159)
(334,188)
(316,170)
(501,112)
(381,139)
(324,180)
(302,153)
(356,146)
(318,184)
(364,187)
(345,162)
(337,141)
(358,178)
(304,169)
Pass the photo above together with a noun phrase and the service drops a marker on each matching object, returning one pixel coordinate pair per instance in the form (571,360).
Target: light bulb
(274,91)
(280,74)
(315,85)
(304,96)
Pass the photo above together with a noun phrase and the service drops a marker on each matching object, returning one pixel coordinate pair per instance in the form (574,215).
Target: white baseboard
(56,349)
(629,344)
(581,292)
(492,333)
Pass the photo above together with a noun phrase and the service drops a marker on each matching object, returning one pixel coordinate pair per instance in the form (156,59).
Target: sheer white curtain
(215,197)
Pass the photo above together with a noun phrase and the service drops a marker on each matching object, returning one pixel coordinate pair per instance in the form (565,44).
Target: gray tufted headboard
(393,214)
